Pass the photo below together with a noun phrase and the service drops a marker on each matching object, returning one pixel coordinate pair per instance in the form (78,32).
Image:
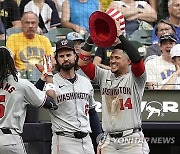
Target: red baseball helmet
(102,27)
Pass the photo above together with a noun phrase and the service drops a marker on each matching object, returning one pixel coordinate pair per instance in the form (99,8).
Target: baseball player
(15,95)
(122,89)
(74,97)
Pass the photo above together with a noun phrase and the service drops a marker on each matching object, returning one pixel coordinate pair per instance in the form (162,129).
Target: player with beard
(71,122)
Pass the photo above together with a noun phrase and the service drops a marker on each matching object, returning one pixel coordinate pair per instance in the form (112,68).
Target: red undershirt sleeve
(89,70)
(138,68)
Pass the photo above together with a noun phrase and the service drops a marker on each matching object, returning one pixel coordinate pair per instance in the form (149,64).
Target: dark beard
(67,67)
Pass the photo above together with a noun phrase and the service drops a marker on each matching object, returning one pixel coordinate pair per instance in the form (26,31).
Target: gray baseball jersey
(121,98)
(74,101)
(14,96)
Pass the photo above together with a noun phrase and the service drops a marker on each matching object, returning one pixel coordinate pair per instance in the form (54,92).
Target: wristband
(50,86)
(84,57)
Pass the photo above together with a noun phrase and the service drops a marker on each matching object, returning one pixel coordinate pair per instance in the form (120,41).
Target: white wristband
(50,86)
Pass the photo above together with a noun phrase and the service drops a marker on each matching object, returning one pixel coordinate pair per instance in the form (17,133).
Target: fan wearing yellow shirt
(27,46)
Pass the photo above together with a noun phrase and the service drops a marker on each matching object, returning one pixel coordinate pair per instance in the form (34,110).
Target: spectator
(174,81)
(105,4)
(160,68)
(174,19)
(10,14)
(162,27)
(136,13)
(30,47)
(45,10)
(102,56)
(76,13)
(77,39)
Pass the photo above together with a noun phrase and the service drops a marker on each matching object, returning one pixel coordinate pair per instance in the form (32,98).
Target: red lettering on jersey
(11,89)
(127,104)
(2,98)
(2,108)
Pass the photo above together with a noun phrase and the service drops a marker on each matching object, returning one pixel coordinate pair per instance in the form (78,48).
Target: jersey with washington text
(14,97)
(74,101)
(121,99)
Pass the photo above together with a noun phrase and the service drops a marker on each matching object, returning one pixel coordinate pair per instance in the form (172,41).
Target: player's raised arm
(48,77)
(84,61)
(137,63)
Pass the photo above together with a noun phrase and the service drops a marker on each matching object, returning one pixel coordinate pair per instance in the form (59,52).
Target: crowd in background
(158,17)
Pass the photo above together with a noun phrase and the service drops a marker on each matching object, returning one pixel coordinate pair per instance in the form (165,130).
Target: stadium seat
(2,43)
(13,30)
(142,36)
(57,34)
(140,47)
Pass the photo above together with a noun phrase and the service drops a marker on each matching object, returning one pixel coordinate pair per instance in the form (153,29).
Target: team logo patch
(64,42)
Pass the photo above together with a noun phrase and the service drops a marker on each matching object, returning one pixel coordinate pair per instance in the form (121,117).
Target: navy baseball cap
(170,37)
(74,36)
(64,44)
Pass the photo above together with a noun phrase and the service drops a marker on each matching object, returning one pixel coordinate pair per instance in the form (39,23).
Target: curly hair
(7,66)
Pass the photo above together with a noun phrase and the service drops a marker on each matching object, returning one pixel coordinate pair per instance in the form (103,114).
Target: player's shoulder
(82,78)
(58,78)
(23,82)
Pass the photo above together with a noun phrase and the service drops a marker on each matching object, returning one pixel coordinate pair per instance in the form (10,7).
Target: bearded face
(67,66)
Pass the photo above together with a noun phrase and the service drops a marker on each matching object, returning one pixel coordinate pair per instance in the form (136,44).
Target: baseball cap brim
(64,47)
(168,37)
(102,28)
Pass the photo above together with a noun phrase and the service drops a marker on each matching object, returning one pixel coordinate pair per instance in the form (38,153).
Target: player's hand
(119,31)
(47,68)
(98,149)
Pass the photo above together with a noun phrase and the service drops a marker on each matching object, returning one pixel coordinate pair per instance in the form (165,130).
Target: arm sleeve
(95,127)
(89,70)
(94,122)
(131,51)
(138,67)
(40,84)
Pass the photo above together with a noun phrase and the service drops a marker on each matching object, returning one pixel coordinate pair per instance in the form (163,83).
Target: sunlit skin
(165,48)
(119,62)
(29,25)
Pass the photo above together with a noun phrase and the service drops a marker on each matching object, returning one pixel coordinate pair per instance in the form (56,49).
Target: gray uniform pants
(71,145)
(11,144)
(132,144)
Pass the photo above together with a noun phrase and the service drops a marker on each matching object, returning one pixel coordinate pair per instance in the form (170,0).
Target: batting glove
(47,68)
